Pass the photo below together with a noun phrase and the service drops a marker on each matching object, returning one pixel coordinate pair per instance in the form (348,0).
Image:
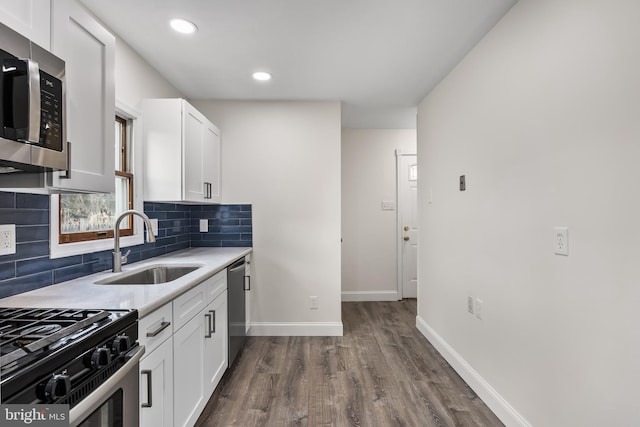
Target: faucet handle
(124,257)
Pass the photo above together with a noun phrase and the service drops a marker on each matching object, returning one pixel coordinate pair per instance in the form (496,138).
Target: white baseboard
(353,296)
(503,410)
(299,329)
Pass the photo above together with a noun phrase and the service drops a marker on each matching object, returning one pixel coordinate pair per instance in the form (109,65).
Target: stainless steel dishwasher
(236,308)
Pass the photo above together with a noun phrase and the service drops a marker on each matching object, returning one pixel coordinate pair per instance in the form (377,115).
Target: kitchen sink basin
(152,275)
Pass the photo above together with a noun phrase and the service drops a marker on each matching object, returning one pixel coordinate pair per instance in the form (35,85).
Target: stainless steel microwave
(32,107)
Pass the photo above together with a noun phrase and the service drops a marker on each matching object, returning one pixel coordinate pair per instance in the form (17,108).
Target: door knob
(406,238)
(406,228)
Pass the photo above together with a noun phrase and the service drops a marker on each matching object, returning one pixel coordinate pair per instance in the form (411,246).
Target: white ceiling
(379,57)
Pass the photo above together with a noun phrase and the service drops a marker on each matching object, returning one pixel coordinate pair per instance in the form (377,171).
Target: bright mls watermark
(34,415)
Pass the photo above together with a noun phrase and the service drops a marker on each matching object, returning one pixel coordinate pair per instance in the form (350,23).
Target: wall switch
(204,225)
(313,302)
(561,240)
(470,305)
(479,308)
(388,206)
(154,225)
(463,183)
(7,239)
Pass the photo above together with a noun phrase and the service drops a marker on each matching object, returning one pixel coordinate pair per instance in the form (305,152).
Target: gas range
(61,355)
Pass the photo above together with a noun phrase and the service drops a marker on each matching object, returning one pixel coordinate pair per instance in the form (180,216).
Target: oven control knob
(57,386)
(120,345)
(100,358)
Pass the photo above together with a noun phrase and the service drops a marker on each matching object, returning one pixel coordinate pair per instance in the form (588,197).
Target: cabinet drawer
(189,304)
(156,327)
(216,284)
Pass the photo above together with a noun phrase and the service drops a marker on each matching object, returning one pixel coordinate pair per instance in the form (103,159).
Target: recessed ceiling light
(183,26)
(261,76)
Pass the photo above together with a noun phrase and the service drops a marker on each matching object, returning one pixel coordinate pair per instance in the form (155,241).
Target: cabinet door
(247,293)
(193,183)
(31,18)
(156,387)
(189,360)
(211,162)
(216,349)
(89,52)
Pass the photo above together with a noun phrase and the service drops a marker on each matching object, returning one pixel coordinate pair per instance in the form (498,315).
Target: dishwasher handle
(237,266)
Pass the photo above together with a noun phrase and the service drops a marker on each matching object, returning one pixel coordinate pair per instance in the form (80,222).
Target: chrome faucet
(118,258)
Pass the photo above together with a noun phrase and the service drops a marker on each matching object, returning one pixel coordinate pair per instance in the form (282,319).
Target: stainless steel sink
(152,275)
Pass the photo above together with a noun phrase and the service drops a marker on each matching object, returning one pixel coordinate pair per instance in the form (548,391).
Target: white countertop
(84,293)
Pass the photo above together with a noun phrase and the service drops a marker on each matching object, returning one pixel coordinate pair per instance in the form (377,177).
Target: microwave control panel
(51,120)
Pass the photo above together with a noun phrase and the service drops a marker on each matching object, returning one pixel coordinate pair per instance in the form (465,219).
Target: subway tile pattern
(229,226)
(178,228)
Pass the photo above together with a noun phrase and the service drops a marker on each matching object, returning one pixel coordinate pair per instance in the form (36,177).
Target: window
(85,217)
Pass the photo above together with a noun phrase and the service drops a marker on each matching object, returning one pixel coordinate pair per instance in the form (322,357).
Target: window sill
(57,250)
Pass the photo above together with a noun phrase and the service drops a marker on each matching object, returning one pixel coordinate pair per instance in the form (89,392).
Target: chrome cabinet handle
(247,282)
(208,316)
(67,173)
(213,317)
(148,373)
(207,190)
(162,327)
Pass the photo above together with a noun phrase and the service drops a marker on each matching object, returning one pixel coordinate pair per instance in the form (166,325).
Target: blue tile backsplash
(178,228)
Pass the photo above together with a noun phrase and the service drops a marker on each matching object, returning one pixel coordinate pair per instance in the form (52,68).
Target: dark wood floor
(382,372)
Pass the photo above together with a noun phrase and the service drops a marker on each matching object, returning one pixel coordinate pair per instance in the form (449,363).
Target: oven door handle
(90,403)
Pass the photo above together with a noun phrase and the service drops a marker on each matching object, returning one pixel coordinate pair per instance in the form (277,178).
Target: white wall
(284,159)
(135,79)
(543,118)
(369,234)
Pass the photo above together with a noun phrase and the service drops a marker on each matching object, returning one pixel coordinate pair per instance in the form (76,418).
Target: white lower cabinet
(200,359)
(216,344)
(156,386)
(186,368)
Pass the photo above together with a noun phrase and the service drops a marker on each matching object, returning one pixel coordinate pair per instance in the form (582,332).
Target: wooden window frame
(106,234)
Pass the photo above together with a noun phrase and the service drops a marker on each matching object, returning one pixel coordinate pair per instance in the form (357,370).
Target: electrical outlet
(463,183)
(479,308)
(313,302)
(7,239)
(561,241)
(388,206)
(470,305)
(204,225)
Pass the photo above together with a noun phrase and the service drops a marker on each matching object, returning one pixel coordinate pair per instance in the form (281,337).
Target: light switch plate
(561,241)
(154,226)
(7,239)
(204,225)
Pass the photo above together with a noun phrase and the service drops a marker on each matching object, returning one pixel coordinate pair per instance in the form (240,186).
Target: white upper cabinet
(31,18)
(182,153)
(89,52)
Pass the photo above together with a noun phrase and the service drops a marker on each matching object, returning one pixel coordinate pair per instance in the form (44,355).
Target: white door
(156,387)
(211,162)
(215,344)
(194,186)
(88,50)
(188,370)
(408,225)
